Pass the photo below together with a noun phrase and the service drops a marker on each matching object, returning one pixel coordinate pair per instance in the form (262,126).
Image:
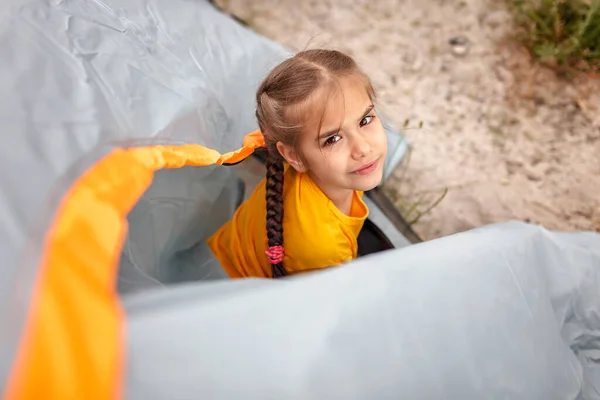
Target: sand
(503,138)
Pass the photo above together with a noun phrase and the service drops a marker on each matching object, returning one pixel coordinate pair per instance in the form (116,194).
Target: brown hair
(283,101)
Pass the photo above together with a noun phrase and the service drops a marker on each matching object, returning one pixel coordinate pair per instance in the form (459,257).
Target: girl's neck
(340,197)
(343,201)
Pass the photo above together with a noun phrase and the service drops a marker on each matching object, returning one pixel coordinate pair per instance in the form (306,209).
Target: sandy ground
(505,138)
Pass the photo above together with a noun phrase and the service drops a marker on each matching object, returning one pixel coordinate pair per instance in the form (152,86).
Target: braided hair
(274,200)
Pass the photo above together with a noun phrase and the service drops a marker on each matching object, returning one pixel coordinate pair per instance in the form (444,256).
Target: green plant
(564,34)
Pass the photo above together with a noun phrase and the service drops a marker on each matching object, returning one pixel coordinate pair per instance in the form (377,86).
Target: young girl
(325,147)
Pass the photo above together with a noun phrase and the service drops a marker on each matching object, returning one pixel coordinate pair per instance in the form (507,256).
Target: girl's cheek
(381,138)
(336,161)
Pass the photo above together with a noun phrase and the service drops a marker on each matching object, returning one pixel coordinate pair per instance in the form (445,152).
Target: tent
(108,192)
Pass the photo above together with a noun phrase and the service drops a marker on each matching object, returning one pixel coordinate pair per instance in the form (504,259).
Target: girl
(325,147)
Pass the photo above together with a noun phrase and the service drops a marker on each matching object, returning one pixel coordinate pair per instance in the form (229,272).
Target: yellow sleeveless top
(316,234)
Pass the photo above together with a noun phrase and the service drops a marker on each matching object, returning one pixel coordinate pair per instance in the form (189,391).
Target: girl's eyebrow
(331,132)
(325,135)
(367,111)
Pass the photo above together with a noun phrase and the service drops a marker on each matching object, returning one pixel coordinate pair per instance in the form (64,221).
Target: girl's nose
(360,147)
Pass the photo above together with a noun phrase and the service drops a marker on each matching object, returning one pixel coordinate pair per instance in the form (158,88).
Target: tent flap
(506,311)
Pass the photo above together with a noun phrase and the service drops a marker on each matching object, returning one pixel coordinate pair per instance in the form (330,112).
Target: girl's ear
(291,156)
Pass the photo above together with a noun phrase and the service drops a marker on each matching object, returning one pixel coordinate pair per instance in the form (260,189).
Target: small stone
(533,175)
(460,45)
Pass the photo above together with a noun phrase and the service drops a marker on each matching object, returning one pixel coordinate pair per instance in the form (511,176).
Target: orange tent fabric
(74,349)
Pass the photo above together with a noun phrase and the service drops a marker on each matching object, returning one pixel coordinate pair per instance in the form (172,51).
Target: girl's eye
(366,120)
(332,139)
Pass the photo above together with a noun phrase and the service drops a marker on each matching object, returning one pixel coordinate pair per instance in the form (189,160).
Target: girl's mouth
(367,168)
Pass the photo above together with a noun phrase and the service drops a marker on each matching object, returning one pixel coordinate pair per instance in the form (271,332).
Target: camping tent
(106,199)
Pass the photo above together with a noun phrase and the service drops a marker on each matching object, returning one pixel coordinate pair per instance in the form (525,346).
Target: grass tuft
(563,34)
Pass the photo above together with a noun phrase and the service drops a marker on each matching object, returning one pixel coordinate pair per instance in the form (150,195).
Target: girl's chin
(369,182)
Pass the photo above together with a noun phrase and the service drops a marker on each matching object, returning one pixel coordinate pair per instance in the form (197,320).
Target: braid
(274,199)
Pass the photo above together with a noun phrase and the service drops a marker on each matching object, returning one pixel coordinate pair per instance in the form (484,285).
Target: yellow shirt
(316,234)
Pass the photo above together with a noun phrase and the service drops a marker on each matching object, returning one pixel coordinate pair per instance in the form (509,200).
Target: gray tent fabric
(166,242)
(81,78)
(508,311)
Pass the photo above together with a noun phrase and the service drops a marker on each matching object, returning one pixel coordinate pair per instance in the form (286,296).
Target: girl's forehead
(345,105)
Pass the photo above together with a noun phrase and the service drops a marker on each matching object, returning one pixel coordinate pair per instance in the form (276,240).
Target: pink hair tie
(275,254)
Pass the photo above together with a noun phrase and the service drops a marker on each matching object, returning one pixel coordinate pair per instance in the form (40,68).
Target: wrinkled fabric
(508,311)
(79,79)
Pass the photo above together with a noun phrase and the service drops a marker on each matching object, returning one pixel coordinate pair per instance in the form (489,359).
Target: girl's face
(349,150)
